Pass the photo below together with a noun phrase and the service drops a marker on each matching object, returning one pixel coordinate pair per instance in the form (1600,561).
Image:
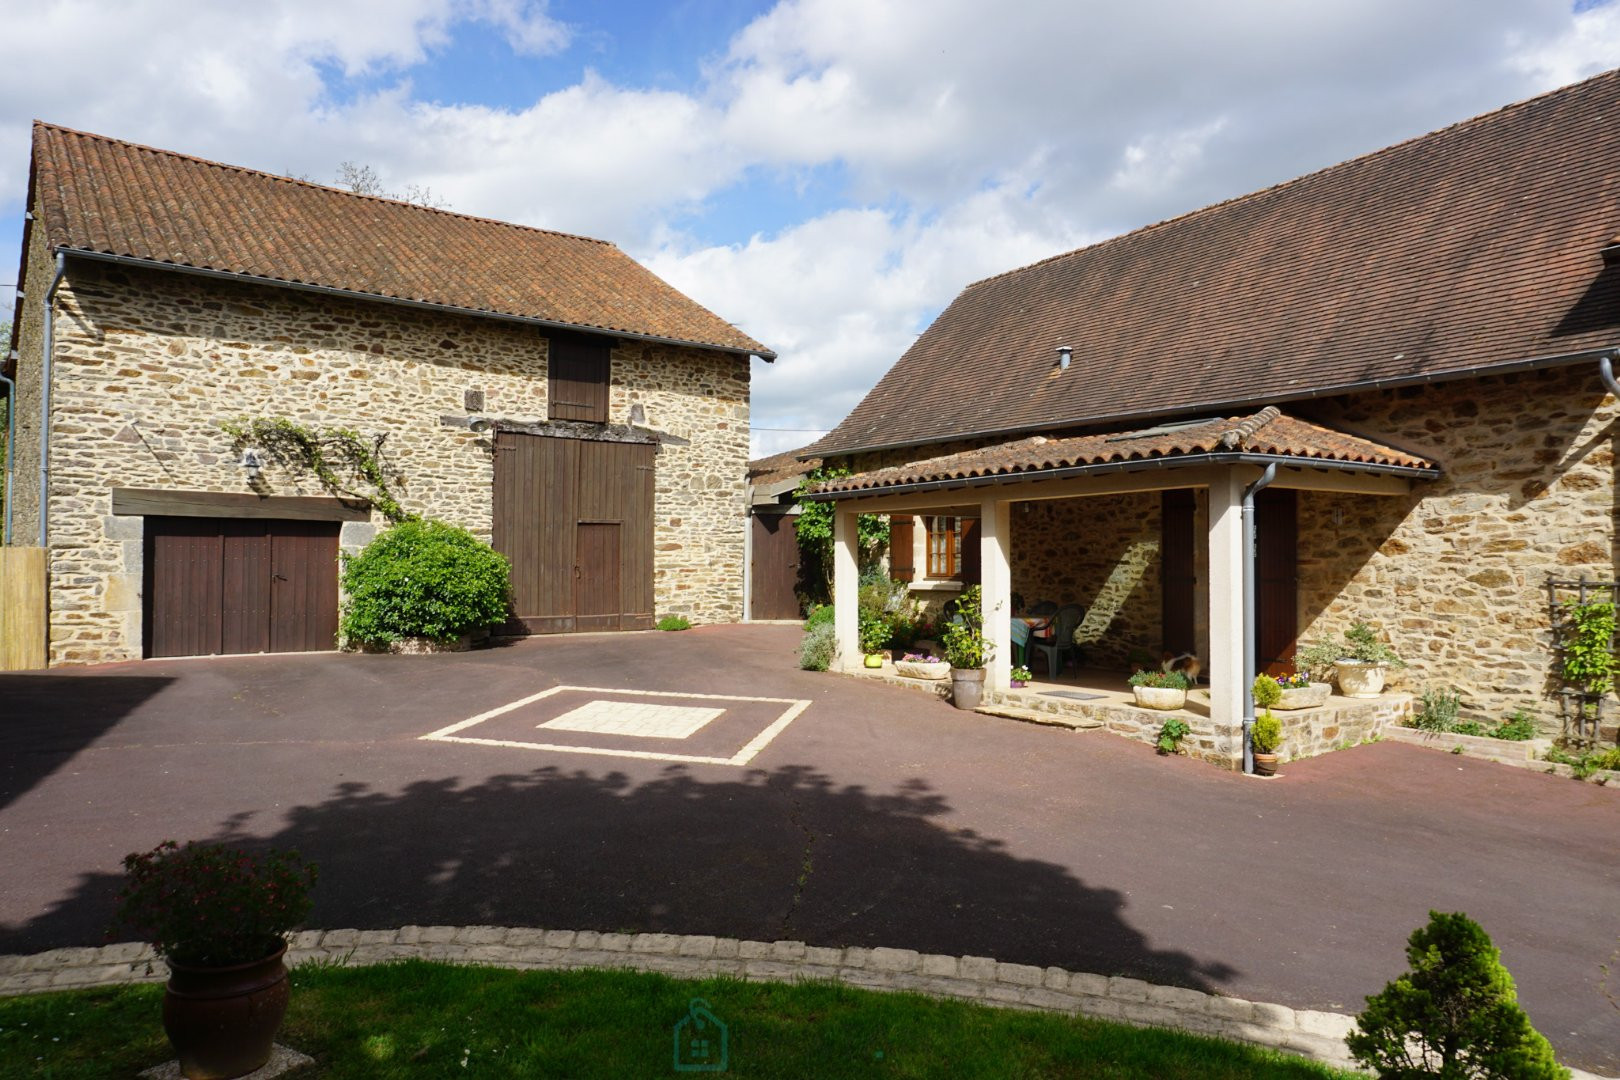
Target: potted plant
(1361,661)
(1299,692)
(967,650)
(1265,735)
(1160,689)
(922,666)
(219,917)
(874,635)
(1021,676)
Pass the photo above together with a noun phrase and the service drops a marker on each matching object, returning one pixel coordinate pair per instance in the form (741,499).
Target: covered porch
(1227,462)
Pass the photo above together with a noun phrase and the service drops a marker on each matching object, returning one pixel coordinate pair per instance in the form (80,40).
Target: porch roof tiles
(1269,432)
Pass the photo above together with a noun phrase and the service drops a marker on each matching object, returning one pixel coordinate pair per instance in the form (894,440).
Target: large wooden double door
(575,518)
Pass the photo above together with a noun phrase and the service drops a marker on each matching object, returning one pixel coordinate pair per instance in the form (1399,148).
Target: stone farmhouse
(540,389)
(1402,364)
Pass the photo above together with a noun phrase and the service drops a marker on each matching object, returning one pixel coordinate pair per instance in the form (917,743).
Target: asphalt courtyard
(699,783)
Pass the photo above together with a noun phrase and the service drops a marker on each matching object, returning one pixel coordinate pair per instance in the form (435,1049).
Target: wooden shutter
(1178,573)
(902,558)
(969,556)
(577,388)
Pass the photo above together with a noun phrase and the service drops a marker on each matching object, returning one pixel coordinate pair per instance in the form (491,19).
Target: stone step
(1037,716)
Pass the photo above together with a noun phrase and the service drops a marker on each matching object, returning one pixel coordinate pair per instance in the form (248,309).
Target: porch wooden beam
(141,502)
(949,500)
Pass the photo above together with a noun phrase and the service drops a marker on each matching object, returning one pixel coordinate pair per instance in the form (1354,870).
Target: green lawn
(421,1019)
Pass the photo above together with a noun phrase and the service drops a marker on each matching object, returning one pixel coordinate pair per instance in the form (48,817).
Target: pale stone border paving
(1316,1035)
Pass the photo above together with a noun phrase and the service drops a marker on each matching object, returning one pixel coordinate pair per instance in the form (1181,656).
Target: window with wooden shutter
(578,385)
(902,560)
(944,547)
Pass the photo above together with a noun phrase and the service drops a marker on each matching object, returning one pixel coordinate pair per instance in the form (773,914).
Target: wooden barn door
(219,585)
(575,519)
(773,573)
(1178,570)
(1276,565)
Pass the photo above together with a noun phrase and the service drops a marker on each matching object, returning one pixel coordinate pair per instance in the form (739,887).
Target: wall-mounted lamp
(252,463)
(1065,355)
(638,414)
(479,424)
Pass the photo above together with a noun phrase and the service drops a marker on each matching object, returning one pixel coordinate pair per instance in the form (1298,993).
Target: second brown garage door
(218,585)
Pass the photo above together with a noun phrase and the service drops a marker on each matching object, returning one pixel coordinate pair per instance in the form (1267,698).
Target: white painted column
(846,587)
(995,569)
(1226,629)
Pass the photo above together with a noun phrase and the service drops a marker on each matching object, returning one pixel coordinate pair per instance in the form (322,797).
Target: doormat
(1072,695)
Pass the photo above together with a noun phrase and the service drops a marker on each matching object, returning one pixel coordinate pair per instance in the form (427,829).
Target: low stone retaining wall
(1340,723)
(1317,1035)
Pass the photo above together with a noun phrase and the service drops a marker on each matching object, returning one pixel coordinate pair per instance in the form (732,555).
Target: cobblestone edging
(1317,1035)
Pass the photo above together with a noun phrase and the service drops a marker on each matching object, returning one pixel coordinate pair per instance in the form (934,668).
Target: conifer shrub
(1454,1015)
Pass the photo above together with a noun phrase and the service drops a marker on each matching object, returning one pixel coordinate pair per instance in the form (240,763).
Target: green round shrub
(423,579)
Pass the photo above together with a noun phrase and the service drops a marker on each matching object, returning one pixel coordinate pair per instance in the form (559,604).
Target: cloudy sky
(827,174)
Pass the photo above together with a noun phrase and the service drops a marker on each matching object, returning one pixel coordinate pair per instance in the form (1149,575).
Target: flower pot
(967,687)
(874,659)
(917,669)
(1165,698)
(1304,697)
(1265,764)
(1017,684)
(1361,678)
(222,1021)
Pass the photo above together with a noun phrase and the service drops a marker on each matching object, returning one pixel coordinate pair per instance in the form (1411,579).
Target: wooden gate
(220,585)
(773,567)
(575,519)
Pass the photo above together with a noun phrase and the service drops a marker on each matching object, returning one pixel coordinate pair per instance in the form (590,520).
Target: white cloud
(1591,44)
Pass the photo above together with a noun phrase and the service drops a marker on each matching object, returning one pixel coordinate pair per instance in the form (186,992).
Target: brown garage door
(575,518)
(774,568)
(225,586)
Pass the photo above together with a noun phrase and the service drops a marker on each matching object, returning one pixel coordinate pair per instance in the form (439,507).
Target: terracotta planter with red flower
(219,917)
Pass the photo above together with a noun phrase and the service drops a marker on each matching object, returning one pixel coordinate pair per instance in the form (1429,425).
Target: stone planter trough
(1164,698)
(1304,697)
(917,669)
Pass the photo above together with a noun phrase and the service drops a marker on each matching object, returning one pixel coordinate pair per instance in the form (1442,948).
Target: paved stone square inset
(637,718)
(731,729)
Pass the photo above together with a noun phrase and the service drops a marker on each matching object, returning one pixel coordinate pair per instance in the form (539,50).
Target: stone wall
(1102,553)
(148,363)
(1454,575)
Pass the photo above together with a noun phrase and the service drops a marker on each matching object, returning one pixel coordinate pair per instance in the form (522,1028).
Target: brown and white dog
(1188,664)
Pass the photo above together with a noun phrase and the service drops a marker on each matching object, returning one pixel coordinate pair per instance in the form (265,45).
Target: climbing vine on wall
(342,460)
(814,528)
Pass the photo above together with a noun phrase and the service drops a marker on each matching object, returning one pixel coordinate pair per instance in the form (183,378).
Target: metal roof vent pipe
(1065,356)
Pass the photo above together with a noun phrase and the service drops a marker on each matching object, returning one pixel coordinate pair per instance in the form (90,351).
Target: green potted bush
(966,649)
(422,586)
(1021,676)
(1361,661)
(1265,735)
(219,917)
(873,632)
(1164,690)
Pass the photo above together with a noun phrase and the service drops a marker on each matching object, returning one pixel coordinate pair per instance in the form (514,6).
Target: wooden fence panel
(22,608)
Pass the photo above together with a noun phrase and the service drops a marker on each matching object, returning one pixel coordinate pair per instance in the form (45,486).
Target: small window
(577,387)
(944,547)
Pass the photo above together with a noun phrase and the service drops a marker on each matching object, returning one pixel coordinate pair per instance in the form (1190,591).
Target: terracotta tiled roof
(783,466)
(1476,246)
(1269,432)
(102,195)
